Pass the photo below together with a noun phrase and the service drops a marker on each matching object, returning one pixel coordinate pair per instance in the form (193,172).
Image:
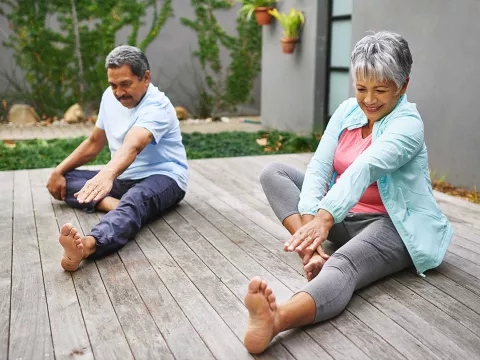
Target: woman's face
(376,98)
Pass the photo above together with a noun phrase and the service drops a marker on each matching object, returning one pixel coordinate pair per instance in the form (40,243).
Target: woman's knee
(271,172)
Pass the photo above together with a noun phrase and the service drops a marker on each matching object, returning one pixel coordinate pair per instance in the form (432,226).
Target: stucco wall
(173,68)
(443,37)
(293,88)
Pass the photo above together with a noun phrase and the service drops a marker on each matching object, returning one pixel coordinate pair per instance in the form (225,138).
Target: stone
(74,114)
(182,113)
(22,115)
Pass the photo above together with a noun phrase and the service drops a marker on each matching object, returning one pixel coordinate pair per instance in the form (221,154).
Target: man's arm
(101,184)
(85,152)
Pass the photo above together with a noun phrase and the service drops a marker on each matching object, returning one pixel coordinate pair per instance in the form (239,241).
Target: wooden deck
(177,290)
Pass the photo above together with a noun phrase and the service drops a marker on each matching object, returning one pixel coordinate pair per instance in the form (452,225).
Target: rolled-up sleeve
(155,119)
(319,170)
(399,143)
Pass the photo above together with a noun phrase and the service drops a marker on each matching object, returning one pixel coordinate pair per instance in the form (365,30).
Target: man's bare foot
(312,269)
(72,244)
(264,320)
(107,204)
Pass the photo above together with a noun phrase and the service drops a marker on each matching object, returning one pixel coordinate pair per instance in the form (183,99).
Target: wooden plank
(394,334)
(210,284)
(455,290)
(141,332)
(220,339)
(235,185)
(104,331)
(241,250)
(216,249)
(273,227)
(335,343)
(461,277)
(69,335)
(30,335)
(470,245)
(447,325)
(445,302)
(439,343)
(181,337)
(457,248)
(463,264)
(6,241)
(255,231)
(367,340)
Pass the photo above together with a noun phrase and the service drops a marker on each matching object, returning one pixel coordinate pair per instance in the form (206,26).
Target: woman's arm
(400,142)
(319,170)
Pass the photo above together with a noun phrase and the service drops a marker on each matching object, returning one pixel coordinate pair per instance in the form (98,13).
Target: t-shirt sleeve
(155,119)
(101,115)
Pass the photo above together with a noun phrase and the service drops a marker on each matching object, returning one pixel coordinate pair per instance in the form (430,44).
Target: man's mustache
(123,98)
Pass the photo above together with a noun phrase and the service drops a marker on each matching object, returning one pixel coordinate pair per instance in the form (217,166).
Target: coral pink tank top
(350,145)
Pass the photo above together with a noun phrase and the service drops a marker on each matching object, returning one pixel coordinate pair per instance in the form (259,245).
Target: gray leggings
(368,245)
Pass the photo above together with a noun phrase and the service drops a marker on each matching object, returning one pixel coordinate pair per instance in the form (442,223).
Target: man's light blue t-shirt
(165,154)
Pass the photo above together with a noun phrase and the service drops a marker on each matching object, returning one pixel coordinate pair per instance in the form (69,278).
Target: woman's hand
(310,236)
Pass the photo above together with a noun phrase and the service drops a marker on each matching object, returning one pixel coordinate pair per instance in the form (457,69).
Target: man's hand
(57,185)
(96,188)
(310,236)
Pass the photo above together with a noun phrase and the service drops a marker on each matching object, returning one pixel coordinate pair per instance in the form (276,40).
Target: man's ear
(147,76)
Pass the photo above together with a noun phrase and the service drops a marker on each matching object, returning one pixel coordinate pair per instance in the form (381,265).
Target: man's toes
(271,298)
(254,285)
(66,228)
(77,236)
(73,232)
(268,291)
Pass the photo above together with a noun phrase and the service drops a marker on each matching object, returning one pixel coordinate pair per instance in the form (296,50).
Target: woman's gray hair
(382,56)
(128,55)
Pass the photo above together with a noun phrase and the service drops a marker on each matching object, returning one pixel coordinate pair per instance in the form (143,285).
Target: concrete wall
(293,90)
(173,68)
(443,38)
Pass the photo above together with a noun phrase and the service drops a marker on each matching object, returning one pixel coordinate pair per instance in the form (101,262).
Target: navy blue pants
(141,201)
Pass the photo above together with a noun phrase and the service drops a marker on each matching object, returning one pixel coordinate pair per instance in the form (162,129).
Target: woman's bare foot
(312,269)
(264,320)
(72,244)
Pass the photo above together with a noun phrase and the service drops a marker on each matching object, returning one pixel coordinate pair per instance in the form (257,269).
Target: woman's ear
(405,86)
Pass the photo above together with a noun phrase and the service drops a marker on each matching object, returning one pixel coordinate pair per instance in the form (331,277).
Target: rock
(92,119)
(22,115)
(74,114)
(182,113)
(225,119)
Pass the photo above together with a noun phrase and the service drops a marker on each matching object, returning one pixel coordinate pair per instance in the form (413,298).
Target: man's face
(126,87)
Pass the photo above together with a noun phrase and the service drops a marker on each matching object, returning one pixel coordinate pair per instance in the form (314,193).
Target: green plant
(66,65)
(291,22)
(249,6)
(225,88)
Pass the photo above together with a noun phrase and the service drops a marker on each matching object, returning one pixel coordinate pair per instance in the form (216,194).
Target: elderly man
(147,173)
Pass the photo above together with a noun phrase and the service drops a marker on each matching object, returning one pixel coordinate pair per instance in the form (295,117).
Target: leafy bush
(39,153)
(66,65)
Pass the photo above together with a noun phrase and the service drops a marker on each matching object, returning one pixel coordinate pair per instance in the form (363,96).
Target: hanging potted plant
(260,8)
(291,23)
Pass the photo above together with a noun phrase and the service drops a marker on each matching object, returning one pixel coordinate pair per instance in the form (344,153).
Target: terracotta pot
(262,15)
(288,45)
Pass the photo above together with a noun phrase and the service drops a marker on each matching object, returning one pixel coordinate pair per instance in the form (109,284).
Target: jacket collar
(357,118)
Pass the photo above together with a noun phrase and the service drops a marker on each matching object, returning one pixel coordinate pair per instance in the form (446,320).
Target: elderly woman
(367,189)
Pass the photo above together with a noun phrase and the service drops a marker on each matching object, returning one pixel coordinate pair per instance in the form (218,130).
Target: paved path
(8,132)
(176,291)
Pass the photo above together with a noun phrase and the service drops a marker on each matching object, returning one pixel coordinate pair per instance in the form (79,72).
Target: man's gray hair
(382,56)
(128,55)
